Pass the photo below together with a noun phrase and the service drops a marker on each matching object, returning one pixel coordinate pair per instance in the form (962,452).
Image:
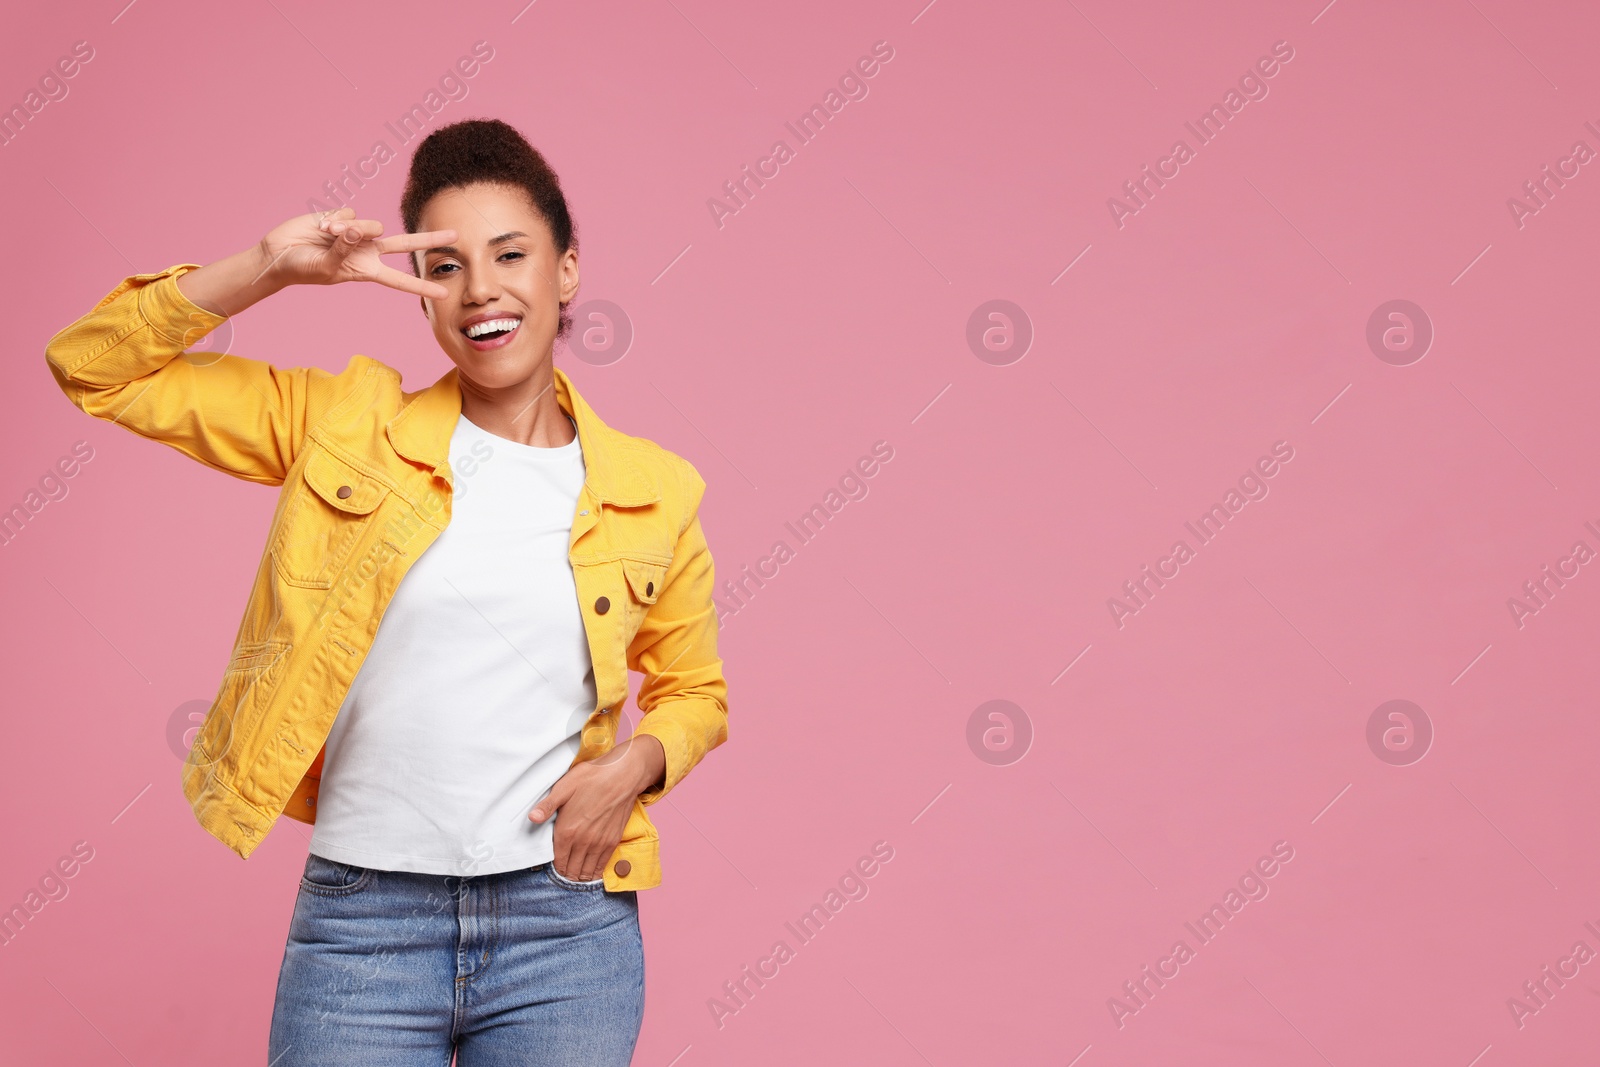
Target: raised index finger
(414,242)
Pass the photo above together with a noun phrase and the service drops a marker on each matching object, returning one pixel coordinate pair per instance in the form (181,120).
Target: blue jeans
(402,969)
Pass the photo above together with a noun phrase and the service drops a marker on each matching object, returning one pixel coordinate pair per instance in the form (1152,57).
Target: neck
(527,412)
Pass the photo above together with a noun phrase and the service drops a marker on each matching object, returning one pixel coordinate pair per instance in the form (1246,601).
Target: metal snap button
(649,588)
(344,492)
(602,606)
(622,868)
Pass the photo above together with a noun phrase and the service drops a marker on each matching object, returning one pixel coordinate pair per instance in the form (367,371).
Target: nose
(482,285)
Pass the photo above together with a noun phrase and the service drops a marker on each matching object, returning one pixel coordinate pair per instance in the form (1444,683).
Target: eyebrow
(452,250)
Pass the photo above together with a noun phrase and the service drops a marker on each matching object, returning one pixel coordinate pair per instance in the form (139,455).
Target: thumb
(551,802)
(347,234)
(346,241)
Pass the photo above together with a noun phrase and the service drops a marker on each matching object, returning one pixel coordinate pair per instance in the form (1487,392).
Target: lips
(502,328)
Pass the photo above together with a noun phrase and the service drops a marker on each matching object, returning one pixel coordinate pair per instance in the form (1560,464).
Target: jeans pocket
(330,878)
(564,882)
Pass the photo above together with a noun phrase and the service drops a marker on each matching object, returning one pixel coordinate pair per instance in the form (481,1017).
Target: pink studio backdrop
(1149,356)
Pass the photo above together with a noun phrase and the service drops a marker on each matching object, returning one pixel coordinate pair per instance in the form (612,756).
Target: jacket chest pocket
(643,579)
(331,507)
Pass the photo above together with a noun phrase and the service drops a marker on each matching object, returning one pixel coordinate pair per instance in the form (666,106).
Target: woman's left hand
(595,799)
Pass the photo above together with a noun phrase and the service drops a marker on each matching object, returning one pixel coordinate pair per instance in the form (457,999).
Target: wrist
(649,761)
(230,285)
(263,268)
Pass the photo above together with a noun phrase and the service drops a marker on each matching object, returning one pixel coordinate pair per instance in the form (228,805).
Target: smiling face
(507,282)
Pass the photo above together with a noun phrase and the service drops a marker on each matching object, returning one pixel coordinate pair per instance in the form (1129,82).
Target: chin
(495,370)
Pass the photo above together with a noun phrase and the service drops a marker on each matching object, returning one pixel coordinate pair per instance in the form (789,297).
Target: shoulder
(363,375)
(380,377)
(675,476)
(368,385)
(387,379)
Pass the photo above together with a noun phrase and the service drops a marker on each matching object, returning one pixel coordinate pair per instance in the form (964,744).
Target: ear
(569,275)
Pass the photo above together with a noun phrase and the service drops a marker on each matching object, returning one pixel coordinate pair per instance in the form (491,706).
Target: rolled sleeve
(123,362)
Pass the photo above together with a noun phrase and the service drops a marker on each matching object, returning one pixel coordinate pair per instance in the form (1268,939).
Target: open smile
(487,334)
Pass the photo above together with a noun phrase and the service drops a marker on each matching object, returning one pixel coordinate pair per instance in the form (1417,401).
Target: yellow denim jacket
(367,486)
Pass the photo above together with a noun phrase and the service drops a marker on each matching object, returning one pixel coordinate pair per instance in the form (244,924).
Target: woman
(479,836)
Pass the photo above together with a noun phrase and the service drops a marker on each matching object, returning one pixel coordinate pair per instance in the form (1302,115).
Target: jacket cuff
(675,744)
(170,313)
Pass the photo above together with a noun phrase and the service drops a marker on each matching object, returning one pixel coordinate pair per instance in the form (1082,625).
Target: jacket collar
(421,433)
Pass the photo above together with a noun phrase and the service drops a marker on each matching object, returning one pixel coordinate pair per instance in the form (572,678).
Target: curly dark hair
(487,150)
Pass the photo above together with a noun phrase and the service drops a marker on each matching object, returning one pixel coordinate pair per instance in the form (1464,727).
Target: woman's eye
(453,267)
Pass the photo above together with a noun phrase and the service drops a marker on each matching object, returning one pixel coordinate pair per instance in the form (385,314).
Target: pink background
(829,313)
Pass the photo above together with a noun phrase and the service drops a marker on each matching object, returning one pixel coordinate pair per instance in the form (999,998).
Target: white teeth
(478,329)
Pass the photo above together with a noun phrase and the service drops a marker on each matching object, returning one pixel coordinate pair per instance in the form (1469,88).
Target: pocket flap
(644,579)
(341,485)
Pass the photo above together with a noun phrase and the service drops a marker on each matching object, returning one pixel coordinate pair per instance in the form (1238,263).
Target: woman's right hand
(325,248)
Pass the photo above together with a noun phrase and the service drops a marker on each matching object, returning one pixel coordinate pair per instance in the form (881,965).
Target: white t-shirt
(470,704)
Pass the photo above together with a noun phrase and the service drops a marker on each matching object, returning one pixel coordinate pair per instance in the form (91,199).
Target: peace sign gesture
(326,248)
